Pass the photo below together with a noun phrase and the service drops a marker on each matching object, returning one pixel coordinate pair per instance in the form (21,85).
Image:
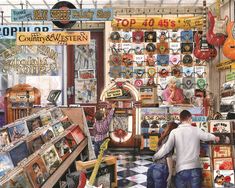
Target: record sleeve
(225,138)
(57,128)
(66,122)
(223,163)
(4,138)
(220,126)
(76,133)
(17,180)
(47,134)
(46,118)
(5,163)
(34,123)
(51,159)
(36,171)
(221,151)
(223,178)
(56,113)
(17,131)
(63,148)
(70,140)
(35,142)
(206,178)
(206,163)
(19,152)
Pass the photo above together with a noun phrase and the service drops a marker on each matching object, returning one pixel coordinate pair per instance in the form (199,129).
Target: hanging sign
(230,76)
(157,23)
(53,38)
(114,93)
(226,64)
(9,31)
(20,15)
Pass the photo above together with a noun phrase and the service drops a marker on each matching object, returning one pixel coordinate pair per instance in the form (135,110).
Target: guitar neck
(204,17)
(217,9)
(95,170)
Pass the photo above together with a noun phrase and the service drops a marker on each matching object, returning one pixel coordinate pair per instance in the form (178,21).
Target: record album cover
(19,152)
(51,159)
(206,178)
(56,113)
(19,180)
(35,143)
(33,123)
(77,133)
(17,131)
(206,163)
(221,151)
(225,138)
(223,164)
(223,178)
(220,126)
(71,141)
(46,118)
(57,128)
(47,135)
(63,148)
(36,171)
(4,138)
(5,163)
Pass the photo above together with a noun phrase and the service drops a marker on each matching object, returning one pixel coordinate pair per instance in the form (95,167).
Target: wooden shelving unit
(54,178)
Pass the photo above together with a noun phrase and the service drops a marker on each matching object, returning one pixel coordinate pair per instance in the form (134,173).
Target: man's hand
(169,180)
(217,139)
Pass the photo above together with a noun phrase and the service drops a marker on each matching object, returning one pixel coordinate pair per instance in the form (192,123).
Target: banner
(53,38)
(230,76)
(9,31)
(20,15)
(158,23)
(114,93)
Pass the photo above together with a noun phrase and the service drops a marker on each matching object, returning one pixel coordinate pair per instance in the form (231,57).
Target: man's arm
(204,136)
(166,148)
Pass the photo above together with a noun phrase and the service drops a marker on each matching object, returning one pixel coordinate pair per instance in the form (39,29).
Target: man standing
(186,140)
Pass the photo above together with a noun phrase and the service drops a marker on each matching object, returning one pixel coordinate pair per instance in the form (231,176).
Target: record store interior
(117,93)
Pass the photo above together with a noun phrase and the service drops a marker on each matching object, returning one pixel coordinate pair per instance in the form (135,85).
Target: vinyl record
(64,5)
(138,83)
(150,47)
(115,36)
(187,60)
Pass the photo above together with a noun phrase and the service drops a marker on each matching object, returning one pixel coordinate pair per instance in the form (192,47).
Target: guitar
(83,183)
(229,45)
(202,49)
(216,34)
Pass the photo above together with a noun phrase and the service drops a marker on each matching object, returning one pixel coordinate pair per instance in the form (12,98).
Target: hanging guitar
(229,45)
(203,50)
(83,183)
(216,34)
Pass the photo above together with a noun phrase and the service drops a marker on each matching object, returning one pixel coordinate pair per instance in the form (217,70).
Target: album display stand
(54,178)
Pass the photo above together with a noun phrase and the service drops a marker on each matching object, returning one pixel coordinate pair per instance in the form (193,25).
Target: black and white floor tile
(132,170)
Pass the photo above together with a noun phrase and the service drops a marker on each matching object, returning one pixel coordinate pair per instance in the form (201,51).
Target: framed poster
(89,112)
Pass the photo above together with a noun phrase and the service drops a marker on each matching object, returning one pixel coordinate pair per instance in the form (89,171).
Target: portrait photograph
(34,123)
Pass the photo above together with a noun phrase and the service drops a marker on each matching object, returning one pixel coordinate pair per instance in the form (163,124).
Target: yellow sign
(153,141)
(53,38)
(114,93)
(157,23)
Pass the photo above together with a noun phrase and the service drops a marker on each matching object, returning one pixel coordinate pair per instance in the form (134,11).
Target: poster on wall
(85,73)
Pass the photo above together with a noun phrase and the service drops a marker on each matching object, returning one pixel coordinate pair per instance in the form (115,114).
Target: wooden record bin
(19,101)
(107,174)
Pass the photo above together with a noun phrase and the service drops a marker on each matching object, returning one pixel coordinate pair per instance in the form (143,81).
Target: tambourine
(115,36)
(162,60)
(64,5)
(163,73)
(188,82)
(138,36)
(151,72)
(150,47)
(150,36)
(187,60)
(201,83)
(138,83)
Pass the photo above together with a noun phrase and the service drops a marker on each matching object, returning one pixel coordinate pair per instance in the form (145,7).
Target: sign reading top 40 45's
(19,15)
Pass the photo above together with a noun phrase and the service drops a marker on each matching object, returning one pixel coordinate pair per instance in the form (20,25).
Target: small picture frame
(89,112)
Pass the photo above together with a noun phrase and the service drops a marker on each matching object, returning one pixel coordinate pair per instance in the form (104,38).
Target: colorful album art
(19,180)
(174,47)
(221,151)
(127,60)
(4,138)
(186,48)
(19,152)
(34,123)
(200,71)
(36,171)
(220,127)
(206,163)
(186,36)
(223,178)
(35,144)
(47,135)
(5,163)
(51,159)
(71,141)
(89,112)
(46,118)
(174,59)
(150,36)
(65,122)
(18,130)
(62,148)
(207,178)
(138,48)
(114,72)
(203,126)
(56,113)
(58,128)
(174,36)
(163,60)
(76,133)
(86,74)
(126,36)
(86,91)
(223,164)
(188,71)
(138,36)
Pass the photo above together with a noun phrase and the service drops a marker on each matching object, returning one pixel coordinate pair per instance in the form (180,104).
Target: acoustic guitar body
(229,45)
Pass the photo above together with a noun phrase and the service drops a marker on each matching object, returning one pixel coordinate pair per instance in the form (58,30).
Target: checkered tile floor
(132,171)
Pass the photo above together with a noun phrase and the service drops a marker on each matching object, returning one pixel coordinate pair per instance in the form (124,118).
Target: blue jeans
(192,178)
(157,175)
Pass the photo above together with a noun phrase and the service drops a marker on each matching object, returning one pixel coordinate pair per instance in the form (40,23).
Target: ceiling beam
(46,4)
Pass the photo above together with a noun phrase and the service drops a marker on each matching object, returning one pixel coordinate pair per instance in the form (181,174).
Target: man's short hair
(185,115)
